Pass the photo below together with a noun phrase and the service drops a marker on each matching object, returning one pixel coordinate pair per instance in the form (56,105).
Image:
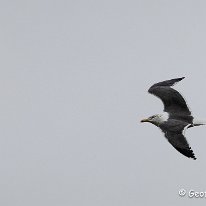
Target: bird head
(154,119)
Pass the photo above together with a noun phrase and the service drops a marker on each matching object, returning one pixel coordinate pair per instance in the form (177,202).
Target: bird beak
(144,120)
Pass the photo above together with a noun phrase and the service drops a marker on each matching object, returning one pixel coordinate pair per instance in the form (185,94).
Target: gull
(176,117)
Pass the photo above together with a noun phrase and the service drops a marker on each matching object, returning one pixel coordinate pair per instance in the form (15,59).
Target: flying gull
(178,117)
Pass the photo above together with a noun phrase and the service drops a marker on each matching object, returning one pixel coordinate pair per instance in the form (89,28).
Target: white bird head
(155,119)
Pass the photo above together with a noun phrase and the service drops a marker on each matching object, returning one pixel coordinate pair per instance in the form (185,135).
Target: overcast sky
(74,77)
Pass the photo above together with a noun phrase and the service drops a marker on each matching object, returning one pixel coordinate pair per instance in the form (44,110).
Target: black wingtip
(194,157)
(168,83)
(192,154)
(179,79)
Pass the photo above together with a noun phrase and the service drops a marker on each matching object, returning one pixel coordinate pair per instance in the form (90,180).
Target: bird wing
(173,101)
(174,132)
(179,142)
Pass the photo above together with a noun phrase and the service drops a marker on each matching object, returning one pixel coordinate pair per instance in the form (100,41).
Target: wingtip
(181,78)
(178,80)
(193,155)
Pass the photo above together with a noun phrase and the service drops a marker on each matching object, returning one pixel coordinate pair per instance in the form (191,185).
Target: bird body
(178,117)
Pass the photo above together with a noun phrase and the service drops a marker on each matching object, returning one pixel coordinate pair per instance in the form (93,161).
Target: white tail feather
(199,122)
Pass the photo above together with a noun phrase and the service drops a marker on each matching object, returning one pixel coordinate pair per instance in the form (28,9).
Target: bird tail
(199,122)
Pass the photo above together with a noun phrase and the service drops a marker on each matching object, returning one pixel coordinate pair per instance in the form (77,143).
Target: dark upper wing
(179,142)
(173,101)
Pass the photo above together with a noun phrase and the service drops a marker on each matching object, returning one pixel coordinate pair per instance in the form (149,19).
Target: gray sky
(73,85)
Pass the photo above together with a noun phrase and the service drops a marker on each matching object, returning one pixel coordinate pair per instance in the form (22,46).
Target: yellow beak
(144,120)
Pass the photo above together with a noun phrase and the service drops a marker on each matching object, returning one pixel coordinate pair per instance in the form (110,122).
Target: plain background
(74,77)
